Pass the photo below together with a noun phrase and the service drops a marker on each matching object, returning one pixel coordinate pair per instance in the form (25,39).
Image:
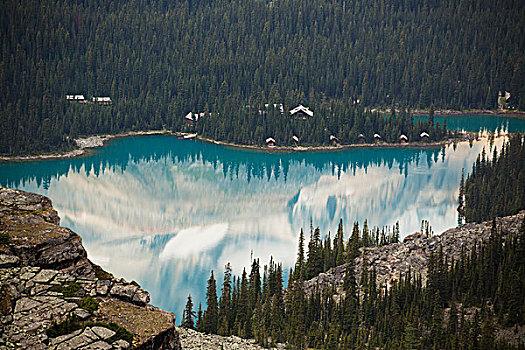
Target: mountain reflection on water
(164,212)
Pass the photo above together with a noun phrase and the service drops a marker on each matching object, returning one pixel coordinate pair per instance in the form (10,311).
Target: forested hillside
(158,60)
(465,304)
(496,185)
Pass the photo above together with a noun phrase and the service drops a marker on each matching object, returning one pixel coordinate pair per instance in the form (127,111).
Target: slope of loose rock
(193,340)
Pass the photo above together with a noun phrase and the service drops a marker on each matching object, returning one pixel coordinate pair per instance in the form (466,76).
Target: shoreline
(455,113)
(86,145)
(289,149)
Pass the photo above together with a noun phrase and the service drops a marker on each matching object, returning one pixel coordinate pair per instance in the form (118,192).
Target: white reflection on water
(166,223)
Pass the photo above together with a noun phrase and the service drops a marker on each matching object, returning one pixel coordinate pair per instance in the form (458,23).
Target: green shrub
(72,324)
(101,274)
(69,325)
(69,290)
(88,303)
(4,238)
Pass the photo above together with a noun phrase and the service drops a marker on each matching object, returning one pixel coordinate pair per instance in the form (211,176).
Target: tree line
(461,306)
(348,123)
(158,60)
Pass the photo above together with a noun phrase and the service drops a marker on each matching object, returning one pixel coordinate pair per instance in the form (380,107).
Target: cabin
(377,138)
(102,100)
(403,138)
(424,136)
(334,140)
(267,106)
(301,112)
(191,118)
(270,142)
(361,138)
(503,100)
(76,98)
(278,106)
(295,139)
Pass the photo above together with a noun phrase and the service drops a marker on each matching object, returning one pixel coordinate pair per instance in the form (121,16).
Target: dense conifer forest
(496,185)
(158,60)
(347,125)
(488,281)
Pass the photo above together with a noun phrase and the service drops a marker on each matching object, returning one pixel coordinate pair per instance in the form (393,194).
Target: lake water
(164,211)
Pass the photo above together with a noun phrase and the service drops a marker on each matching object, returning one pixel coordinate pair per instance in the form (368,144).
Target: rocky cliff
(394,260)
(53,297)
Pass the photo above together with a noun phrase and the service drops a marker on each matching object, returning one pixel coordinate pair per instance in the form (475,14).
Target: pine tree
(198,324)
(225,311)
(461,209)
(254,284)
(314,263)
(188,314)
(354,243)
(339,245)
(243,309)
(299,273)
(211,315)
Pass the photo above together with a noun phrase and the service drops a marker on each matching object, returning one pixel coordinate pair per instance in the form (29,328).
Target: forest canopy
(158,60)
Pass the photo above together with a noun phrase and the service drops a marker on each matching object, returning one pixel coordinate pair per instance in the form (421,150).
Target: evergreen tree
(211,315)
(225,302)
(314,264)
(461,197)
(300,263)
(198,324)
(339,245)
(188,314)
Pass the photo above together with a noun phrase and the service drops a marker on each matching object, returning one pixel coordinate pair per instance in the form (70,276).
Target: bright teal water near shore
(164,212)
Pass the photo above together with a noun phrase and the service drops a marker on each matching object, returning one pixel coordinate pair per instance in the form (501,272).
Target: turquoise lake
(164,211)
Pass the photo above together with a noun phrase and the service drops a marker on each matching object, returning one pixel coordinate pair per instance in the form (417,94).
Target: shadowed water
(164,211)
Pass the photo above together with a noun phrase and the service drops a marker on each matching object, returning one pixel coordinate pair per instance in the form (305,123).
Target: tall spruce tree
(299,272)
(211,315)
(188,314)
(314,264)
(225,303)
(339,245)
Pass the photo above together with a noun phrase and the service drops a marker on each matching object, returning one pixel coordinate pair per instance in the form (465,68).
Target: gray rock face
(121,344)
(42,262)
(129,292)
(8,260)
(103,333)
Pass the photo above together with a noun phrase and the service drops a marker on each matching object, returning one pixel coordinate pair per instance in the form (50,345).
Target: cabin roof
(377,136)
(303,109)
(403,137)
(424,134)
(269,139)
(332,137)
(75,97)
(295,138)
(102,99)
